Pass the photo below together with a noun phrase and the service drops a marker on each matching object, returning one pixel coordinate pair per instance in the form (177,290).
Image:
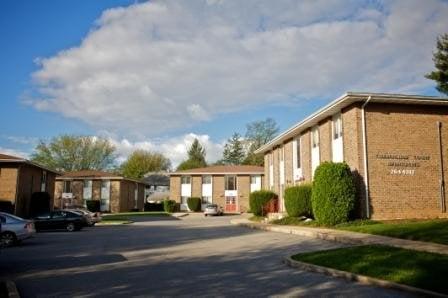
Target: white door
(185,192)
(315,153)
(207,191)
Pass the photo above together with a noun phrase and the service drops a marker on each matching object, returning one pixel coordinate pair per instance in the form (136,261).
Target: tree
(141,162)
(234,152)
(440,58)
(259,133)
(196,157)
(74,153)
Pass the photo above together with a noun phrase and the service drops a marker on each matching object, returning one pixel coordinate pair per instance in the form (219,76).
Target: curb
(112,224)
(360,278)
(12,289)
(179,215)
(347,237)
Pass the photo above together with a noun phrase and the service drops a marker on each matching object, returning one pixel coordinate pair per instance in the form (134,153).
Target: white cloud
(164,65)
(14,152)
(174,148)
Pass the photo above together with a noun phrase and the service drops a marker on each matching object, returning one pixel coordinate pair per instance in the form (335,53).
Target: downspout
(364,142)
(442,174)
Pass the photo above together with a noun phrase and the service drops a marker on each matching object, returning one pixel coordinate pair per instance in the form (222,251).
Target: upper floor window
(207,179)
(87,190)
(337,126)
(298,152)
(315,137)
(67,186)
(43,184)
(230,182)
(185,180)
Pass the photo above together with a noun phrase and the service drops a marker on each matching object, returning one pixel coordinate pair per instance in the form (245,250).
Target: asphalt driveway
(192,256)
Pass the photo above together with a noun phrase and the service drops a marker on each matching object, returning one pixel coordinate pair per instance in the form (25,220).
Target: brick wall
(411,132)
(243,182)
(115,196)
(218,190)
(175,188)
(306,155)
(276,161)
(289,178)
(325,140)
(266,170)
(196,186)
(8,183)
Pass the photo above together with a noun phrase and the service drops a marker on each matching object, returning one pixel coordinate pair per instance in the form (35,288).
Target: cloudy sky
(155,75)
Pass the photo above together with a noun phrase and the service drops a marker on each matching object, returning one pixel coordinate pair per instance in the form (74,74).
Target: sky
(155,75)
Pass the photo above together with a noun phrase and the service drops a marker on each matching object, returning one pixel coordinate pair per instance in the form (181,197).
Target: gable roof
(4,158)
(95,174)
(222,169)
(344,101)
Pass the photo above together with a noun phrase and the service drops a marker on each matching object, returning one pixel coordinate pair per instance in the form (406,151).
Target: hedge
(194,204)
(154,206)
(334,193)
(169,206)
(93,205)
(258,199)
(298,200)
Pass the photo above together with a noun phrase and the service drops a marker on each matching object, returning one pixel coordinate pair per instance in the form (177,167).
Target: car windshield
(13,217)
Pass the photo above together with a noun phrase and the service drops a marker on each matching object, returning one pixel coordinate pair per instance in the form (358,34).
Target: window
(315,137)
(337,126)
(282,153)
(230,182)
(43,184)
(207,179)
(185,180)
(206,200)
(67,186)
(298,152)
(136,196)
(87,191)
(253,179)
(183,200)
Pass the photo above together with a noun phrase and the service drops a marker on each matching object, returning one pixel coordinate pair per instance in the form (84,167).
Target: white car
(212,209)
(15,229)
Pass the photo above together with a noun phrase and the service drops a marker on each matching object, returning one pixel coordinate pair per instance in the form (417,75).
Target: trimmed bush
(334,193)
(153,206)
(259,199)
(298,200)
(169,206)
(93,205)
(194,204)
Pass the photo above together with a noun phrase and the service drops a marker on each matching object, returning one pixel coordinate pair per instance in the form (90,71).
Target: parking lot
(191,256)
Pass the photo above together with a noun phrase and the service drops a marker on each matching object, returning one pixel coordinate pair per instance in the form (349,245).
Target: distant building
(115,193)
(19,180)
(157,186)
(227,186)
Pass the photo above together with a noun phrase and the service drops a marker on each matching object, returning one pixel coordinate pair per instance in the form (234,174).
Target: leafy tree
(440,58)
(141,162)
(234,152)
(259,133)
(196,157)
(74,153)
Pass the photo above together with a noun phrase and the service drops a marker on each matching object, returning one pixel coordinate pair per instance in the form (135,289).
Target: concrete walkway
(345,236)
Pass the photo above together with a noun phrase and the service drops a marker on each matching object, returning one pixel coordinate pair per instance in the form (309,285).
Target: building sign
(402,164)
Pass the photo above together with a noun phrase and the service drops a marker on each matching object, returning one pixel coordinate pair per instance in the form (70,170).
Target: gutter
(364,143)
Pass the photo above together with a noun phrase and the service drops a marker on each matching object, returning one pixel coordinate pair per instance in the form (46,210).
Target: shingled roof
(92,174)
(4,158)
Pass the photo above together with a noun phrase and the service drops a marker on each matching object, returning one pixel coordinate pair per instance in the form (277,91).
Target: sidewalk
(345,236)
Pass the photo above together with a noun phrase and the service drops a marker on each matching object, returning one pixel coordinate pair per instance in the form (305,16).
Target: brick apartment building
(19,180)
(396,146)
(227,186)
(115,193)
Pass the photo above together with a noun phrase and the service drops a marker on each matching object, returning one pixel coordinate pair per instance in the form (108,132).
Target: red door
(230,204)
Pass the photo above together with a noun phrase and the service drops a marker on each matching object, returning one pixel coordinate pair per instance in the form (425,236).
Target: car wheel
(70,227)
(8,239)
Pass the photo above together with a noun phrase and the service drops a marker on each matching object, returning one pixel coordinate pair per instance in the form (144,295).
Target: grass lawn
(423,230)
(413,268)
(127,215)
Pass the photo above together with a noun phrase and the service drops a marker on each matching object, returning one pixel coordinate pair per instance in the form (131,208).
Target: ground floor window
(206,200)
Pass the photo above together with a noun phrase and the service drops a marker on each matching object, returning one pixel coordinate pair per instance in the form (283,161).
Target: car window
(2,219)
(59,214)
(43,216)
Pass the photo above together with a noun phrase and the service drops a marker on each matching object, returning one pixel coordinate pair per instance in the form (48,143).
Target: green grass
(427,230)
(257,218)
(127,215)
(413,268)
(295,221)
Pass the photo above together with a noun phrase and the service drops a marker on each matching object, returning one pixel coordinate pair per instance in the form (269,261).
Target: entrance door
(230,204)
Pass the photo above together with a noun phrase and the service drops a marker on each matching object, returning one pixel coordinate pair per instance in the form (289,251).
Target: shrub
(194,204)
(153,206)
(334,193)
(93,205)
(298,200)
(258,199)
(169,206)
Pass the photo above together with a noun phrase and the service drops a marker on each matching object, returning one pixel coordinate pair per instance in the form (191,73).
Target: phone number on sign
(402,172)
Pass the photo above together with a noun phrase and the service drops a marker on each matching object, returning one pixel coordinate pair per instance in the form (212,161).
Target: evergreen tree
(196,157)
(440,58)
(234,152)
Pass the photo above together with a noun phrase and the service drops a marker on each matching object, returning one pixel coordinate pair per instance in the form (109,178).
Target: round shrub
(194,204)
(258,199)
(298,200)
(169,206)
(93,205)
(334,193)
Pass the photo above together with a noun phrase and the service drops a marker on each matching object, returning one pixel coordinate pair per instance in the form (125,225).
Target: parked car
(15,229)
(61,219)
(213,209)
(91,217)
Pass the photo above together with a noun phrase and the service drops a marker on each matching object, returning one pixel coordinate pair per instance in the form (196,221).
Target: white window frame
(337,138)
(297,158)
(186,178)
(226,184)
(85,187)
(66,189)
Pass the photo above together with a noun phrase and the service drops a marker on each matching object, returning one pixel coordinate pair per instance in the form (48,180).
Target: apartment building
(396,146)
(227,186)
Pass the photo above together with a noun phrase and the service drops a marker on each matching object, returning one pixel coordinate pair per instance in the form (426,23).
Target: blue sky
(154,75)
